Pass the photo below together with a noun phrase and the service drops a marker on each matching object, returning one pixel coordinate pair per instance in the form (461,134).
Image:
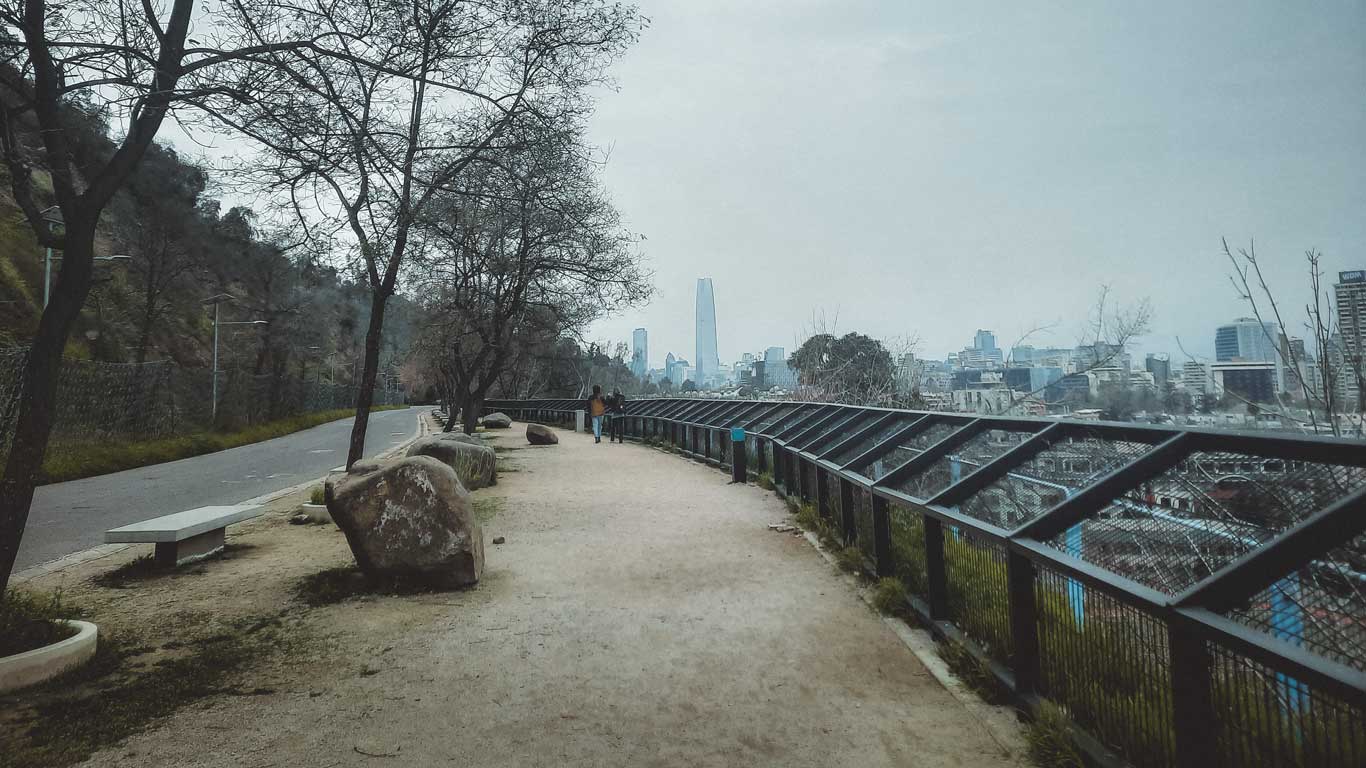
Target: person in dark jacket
(616,416)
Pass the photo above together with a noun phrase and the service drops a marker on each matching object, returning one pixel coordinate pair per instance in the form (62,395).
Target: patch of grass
(29,620)
(487,507)
(765,481)
(1050,740)
(318,495)
(974,673)
(87,459)
(889,596)
(850,559)
(337,584)
(115,695)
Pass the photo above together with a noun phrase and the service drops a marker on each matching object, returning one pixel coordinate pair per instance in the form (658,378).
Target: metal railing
(1186,597)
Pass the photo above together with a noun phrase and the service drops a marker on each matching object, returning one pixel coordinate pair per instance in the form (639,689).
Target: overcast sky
(930,168)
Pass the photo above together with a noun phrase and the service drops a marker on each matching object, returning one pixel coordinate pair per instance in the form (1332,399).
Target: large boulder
(408,521)
(474,463)
(540,434)
(496,421)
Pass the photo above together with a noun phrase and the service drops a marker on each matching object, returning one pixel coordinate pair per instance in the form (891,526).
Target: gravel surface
(640,613)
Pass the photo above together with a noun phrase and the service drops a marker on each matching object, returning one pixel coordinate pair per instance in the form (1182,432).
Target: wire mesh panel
(850,452)
(1107,665)
(1175,529)
(1057,472)
(908,548)
(1266,718)
(1321,606)
(977,590)
(961,462)
(908,449)
(843,431)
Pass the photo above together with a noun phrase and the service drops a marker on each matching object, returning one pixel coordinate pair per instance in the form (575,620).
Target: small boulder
(539,434)
(409,520)
(475,464)
(496,421)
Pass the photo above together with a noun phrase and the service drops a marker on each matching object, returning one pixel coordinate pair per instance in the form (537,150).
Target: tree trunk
(365,396)
(33,423)
(469,407)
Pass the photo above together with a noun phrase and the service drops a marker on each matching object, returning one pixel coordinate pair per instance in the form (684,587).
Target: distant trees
(852,368)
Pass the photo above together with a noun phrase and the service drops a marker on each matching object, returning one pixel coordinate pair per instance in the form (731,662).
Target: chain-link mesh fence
(126,401)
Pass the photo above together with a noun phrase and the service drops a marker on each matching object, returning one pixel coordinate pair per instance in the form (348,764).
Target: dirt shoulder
(639,613)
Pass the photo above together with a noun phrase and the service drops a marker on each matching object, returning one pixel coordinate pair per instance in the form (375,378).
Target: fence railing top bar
(1305,447)
(997,468)
(932,453)
(1105,489)
(868,431)
(1303,665)
(1307,540)
(888,445)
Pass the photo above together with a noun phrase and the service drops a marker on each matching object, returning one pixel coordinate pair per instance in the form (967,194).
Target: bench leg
(170,554)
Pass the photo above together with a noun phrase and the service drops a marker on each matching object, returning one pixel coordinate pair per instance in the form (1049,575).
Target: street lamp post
(53,217)
(216,300)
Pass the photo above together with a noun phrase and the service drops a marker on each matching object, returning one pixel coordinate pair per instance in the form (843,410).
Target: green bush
(29,621)
(1050,739)
(850,559)
(889,596)
(318,495)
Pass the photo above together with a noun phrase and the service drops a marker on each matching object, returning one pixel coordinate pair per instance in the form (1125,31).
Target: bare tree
(1337,362)
(135,61)
(530,251)
(365,141)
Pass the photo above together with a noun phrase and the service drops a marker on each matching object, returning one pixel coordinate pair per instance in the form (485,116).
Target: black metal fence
(1187,597)
(124,401)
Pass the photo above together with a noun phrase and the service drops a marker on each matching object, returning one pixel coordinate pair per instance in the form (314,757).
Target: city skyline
(1116,144)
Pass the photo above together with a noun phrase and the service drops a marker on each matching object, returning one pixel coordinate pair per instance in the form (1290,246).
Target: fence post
(934,566)
(706,442)
(882,537)
(1024,622)
(848,521)
(822,490)
(1192,704)
(760,459)
(778,480)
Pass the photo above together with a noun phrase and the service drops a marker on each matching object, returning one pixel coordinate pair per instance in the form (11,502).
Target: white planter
(317,513)
(39,664)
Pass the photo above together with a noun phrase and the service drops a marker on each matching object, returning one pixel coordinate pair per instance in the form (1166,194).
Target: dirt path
(639,614)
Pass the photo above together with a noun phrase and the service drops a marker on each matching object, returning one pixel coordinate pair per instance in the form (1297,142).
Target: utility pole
(215,301)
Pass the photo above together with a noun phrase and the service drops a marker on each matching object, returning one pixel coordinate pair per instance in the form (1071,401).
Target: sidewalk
(640,614)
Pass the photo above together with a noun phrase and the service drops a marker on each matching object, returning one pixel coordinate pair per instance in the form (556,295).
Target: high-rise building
(669,363)
(984,340)
(640,353)
(707,359)
(776,372)
(1195,376)
(1160,366)
(1247,340)
(1350,292)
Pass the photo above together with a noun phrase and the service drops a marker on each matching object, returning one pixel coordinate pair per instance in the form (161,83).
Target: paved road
(69,517)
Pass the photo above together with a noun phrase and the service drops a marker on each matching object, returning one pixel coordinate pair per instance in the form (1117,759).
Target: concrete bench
(185,536)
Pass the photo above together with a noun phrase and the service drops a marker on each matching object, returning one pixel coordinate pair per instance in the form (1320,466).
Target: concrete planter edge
(32,667)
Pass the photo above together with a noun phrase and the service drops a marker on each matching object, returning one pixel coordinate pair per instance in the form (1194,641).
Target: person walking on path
(616,417)
(597,407)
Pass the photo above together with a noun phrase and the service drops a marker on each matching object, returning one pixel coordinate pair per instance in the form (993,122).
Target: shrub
(889,597)
(317,495)
(850,559)
(29,621)
(1050,739)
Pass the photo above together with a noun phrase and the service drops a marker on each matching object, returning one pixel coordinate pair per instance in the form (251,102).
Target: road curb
(105,550)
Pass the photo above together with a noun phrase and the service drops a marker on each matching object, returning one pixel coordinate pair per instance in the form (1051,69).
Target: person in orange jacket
(596,407)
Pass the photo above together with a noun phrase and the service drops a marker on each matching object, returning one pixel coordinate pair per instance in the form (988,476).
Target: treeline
(184,248)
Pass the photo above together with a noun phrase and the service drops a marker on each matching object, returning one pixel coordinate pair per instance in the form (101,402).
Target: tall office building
(1160,366)
(707,361)
(984,340)
(640,353)
(1347,355)
(1246,340)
